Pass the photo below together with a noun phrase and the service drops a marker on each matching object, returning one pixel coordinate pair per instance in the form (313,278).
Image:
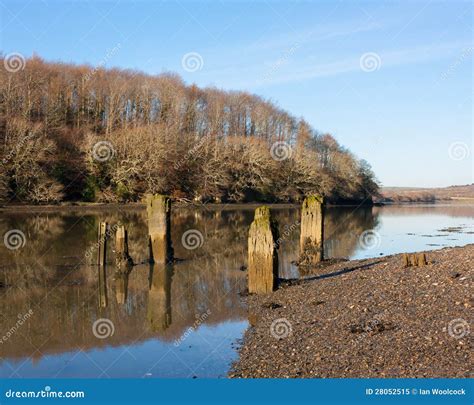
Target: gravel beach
(365,318)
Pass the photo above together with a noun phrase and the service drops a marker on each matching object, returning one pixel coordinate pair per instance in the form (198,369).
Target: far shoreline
(81,206)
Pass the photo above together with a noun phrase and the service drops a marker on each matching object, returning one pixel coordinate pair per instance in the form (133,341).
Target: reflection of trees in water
(63,290)
(141,304)
(343,226)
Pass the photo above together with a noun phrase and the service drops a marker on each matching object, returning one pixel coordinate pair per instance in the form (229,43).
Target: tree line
(78,133)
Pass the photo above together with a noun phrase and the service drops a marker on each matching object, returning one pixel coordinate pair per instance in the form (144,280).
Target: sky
(391,80)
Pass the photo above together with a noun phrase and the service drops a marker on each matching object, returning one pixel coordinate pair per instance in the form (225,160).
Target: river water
(180,320)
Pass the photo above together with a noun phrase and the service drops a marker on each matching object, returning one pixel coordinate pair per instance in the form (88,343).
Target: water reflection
(195,301)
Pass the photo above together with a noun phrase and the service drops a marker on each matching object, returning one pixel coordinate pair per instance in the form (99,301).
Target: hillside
(78,133)
(414,194)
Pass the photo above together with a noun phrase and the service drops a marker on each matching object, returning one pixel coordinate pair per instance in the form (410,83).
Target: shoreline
(210,206)
(139,205)
(368,318)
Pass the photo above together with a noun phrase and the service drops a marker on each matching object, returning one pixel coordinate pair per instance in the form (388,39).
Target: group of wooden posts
(159,231)
(263,241)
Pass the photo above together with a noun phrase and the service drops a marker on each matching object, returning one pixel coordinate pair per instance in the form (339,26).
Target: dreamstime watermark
(14,62)
(466,54)
(458,151)
(47,392)
(109,232)
(370,62)
(199,321)
(21,320)
(192,62)
(103,61)
(103,328)
(14,239)
(192,239)
(283,59)
(281,151)
(17,147)
(458,328)
(369,239)
(103,151)
(281,328)
(190,153)
(287,231)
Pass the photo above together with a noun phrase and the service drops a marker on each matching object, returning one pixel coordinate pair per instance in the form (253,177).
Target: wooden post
(159,224)
(406,260)
(101,262)
(122,258)
(414,260)
(262,253)
(422,259)
(312,230)
(102,244)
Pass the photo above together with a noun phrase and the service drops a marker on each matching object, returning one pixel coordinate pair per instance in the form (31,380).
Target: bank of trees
(77,133)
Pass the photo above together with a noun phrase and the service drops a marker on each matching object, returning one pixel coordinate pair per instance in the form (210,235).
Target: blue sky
(409,113)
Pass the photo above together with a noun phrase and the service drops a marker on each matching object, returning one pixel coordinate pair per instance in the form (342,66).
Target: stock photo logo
(281,151)
(369,239)
(14,239)
(458,328)
(370,62)
(192,239)
(103,328)
(192,62)
(458,151)
(281,328)
(103,151)
(14,62)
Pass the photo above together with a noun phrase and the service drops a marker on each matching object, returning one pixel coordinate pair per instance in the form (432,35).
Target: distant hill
(416,194)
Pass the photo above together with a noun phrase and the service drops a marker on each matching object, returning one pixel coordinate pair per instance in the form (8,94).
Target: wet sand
(365,318)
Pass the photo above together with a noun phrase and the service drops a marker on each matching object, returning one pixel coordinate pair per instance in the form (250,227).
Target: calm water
(182,320)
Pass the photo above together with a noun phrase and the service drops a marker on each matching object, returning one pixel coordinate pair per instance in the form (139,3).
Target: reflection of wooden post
(121,286)
(159,297)
(159,224)
(123,258)
(262,253)
(312,230)
(102,244)
(102,287)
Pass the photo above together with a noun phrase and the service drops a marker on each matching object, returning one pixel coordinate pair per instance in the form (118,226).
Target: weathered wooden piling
(312,230)
(159,228)
(262,253)
(422,261)
(406,260)
(414,260)
(102,244)
(122,257)
(159,297)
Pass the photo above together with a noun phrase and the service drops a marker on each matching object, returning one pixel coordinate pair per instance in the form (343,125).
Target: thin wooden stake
(102,244)
(123,258)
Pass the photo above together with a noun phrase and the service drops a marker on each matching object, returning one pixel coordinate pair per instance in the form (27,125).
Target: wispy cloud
(314,35)
(297,66)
